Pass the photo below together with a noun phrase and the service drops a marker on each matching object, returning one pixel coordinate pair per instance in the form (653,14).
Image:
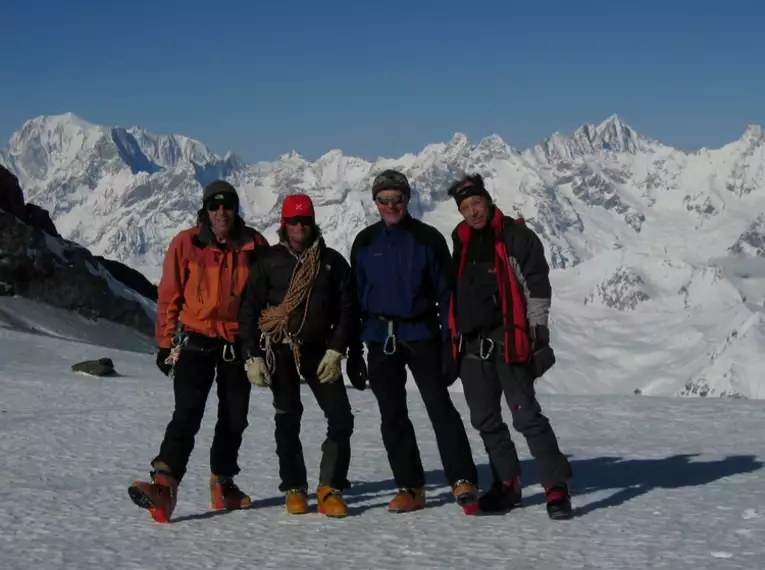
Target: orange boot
(466,495)
(225,495)
(158,496)
(408,500)
(296,502)
(331,502)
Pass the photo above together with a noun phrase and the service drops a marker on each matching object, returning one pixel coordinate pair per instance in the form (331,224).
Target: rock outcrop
(36,263)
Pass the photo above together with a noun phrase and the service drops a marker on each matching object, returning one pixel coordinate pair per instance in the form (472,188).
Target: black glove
(161,357)
(356,369)
(449,367)
(542,354)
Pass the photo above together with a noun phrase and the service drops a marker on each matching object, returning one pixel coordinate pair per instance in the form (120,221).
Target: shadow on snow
(629,478)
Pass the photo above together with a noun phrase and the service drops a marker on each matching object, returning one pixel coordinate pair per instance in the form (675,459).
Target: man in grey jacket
(500,338)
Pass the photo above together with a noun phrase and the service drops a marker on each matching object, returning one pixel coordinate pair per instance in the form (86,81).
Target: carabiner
(233,353)
(389,347)
(487,354)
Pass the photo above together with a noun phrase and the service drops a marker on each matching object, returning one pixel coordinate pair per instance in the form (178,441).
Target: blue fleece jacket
(403,273)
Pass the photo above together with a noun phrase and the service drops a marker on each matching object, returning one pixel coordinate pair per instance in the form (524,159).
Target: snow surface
(664,483)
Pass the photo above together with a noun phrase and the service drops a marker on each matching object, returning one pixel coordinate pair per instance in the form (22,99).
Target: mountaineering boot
(158,496)
(225,495)
(331,501)
(502,497)
(559,502)
(407,500)
(296,502)
(466,495)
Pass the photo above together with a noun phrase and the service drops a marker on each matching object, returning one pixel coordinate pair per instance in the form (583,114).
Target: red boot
(503,496)
(559,501)
(158,496)
(225,495)
(466,495)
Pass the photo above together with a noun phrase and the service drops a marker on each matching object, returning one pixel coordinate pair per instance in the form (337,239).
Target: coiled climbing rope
(274,321)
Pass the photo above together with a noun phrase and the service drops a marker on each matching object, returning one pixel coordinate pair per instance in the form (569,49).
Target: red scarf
(519,350)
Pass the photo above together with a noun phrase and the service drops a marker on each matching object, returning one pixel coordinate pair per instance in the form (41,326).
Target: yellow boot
(407,500)
(331,502)
(296,502)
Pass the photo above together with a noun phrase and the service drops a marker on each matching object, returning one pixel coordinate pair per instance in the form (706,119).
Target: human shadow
(386,489)
(256,504)
(632,478)
(628,478)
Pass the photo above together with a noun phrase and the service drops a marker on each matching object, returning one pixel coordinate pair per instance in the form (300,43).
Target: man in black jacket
(296,318)
(499,322)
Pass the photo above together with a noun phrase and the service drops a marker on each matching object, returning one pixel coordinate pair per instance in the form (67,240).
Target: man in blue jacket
(402,271)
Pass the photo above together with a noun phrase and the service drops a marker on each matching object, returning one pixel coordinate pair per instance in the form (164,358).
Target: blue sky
(261,77)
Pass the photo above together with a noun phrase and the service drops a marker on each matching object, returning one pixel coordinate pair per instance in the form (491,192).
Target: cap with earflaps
(219,189)
(391,180)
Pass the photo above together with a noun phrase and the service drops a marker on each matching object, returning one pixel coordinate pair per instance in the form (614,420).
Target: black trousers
(195,372)
(387,379)
(333,401)
(483,383)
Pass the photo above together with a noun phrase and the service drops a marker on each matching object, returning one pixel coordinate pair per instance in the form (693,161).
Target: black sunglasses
(225,203)
(303,220)
(392,201)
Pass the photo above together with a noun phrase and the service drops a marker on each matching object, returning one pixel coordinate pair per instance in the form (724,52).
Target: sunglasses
(226,204)
(302,220)
(392,201)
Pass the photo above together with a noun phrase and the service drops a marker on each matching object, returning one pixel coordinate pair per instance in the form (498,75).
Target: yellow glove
(257,373)
(329,367)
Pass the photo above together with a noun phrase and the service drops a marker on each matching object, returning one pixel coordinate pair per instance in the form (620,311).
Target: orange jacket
(202,283)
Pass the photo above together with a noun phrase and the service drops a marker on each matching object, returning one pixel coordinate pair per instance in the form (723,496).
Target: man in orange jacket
(204,273)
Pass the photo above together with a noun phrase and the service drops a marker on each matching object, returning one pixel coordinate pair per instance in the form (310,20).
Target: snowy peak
(612,135)
(752,241)
(291,156)
(169,150)
(57,156)
(49,143)
(124,190)
(624,290)
(494,146)
(754,135)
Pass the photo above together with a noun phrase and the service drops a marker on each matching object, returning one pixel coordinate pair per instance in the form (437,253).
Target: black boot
(559,502)
(502,497)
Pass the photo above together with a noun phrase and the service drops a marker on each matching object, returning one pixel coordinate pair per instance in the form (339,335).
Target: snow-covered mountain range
(659,254)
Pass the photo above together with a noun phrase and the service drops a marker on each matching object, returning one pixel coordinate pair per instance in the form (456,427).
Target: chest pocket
(214,279)
(323,287)
(478,304)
